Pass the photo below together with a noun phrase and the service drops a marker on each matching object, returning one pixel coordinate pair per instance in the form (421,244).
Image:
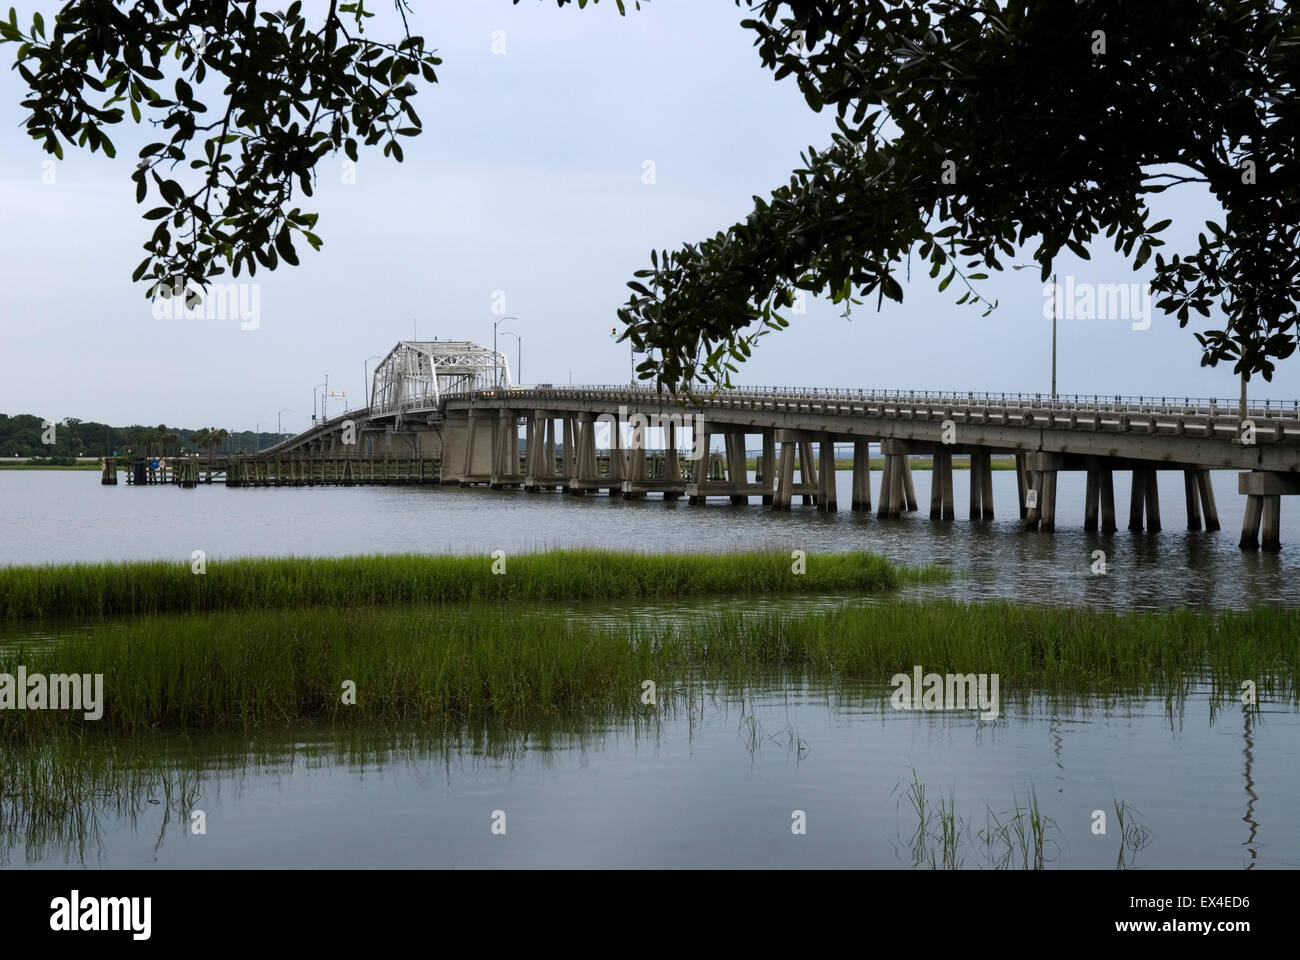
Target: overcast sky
(527,180)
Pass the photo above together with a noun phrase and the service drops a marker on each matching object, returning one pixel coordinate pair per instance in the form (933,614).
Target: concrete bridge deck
(475,434)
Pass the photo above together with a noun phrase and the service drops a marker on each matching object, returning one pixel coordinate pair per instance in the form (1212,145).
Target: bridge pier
(619,467)
(505,450)
(826,476)
(731,480)
(1040,497)
(699,466)
(783,489)
(861,497)
(1264,491)
(584,475)
(808,471)
(1144,496)
(941,499)
(767,466)
(897,492)
(981,485)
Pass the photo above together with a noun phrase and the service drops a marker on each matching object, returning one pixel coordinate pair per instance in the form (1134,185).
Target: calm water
(716,784)
(57,516)
(712,781)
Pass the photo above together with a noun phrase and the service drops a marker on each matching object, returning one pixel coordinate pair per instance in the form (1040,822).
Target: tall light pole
(1030,266)
(257,436)
(315,408)
(365,379)
(278,428)
(519,363)
(496,366)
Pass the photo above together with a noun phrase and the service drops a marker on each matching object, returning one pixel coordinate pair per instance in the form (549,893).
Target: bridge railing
(1116,403)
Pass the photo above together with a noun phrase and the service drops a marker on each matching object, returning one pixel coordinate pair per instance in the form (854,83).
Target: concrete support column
(1092,499)
(826,500)
(976,480)
(617,459)
(672,467)
(1022,484)
(861,475)
(1250,524)
(1152,497)
(700,467)
(1033,498)
(936,485)
(807,469)
(1048,511)
(1107,482)
(636,460)
(1192,497)
(886,484)
(549,453)
(568,460)
(1206,487)
(909,489)
(471,438)
(1272,509)
(532,450)
(1137,497)
(736,468)
(1264,492)
(769,464)
(781,496)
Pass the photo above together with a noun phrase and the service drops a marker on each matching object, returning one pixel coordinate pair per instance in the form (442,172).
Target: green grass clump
(130,589)
(244,668)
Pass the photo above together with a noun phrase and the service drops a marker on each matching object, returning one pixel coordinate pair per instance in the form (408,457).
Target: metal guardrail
(1213,413)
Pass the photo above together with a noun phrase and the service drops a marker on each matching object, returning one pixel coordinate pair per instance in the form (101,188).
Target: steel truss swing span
(417,374)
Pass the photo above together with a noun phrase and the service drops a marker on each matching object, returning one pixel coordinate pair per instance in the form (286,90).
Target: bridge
(452,402)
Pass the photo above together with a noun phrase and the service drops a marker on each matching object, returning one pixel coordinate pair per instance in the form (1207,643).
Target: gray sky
(527,180)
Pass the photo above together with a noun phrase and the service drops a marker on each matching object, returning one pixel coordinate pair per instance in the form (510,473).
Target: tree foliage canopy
(291,93)
(1053,121)
(965,129)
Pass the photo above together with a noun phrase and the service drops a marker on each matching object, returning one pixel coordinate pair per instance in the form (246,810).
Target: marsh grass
(1019,838)
(155,587)
(249,667)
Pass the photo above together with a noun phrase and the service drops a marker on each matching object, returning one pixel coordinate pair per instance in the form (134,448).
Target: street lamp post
(496,366)
(519,362)
(257,437)
(1030,266)
(365,374)
(315,408)
(278,428)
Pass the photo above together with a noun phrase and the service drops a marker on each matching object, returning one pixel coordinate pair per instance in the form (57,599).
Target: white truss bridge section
(413,379)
